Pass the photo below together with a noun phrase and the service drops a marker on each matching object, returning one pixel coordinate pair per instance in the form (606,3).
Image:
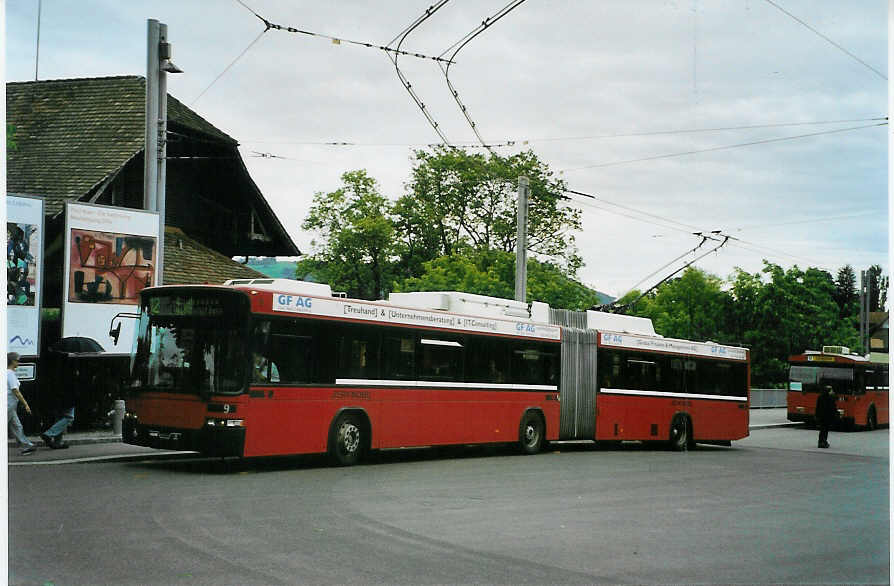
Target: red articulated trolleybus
(269,367)
(860,384)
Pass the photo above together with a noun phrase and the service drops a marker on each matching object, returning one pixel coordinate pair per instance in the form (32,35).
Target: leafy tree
(777,313)
(492,272)
(692,306)
(356,247)
(461,201)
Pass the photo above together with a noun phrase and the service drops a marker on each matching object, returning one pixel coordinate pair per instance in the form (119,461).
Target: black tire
(871,420)
(531,433)
(347,440)
(680,433)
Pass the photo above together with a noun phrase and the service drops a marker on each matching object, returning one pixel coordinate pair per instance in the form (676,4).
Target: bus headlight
(840,412)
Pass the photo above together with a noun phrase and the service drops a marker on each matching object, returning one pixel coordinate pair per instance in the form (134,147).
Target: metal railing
(768,398)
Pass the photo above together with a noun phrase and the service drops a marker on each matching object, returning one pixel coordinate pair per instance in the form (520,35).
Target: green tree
(778,313)
(459,201)
(492,272)
(356,245)
(878,288)
(846,295)
(692,306)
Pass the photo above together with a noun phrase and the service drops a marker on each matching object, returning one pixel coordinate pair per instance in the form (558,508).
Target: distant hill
(277,269)
(285,269)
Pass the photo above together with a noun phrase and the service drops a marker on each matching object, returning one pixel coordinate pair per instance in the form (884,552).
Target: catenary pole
(521,241)
(150,150)
(163,54)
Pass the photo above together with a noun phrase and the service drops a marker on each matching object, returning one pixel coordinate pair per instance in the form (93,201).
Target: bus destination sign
(186,306)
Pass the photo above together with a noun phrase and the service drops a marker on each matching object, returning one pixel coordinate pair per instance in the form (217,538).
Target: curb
(110,458)
(771,425)
(74,441)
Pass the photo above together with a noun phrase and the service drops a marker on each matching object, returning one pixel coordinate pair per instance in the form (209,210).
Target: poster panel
(24,271)
(110,256)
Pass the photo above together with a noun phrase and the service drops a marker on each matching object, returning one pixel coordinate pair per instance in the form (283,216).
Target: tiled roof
(187,261)
(70,134)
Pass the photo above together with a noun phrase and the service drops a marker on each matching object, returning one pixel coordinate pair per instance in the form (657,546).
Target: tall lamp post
(158,65)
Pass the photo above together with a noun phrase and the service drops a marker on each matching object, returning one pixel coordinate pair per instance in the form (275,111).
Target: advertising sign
(110,256)
(356,310)
(24,270)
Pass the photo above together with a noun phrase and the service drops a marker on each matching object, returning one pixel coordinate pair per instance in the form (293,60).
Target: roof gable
(71,134)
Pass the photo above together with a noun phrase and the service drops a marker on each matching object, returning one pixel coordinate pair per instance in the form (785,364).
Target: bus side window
(398,356)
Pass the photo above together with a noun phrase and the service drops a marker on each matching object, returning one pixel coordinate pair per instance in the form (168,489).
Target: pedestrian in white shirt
(13,397)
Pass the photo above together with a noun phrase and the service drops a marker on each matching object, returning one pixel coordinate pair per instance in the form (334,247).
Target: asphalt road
(771,509)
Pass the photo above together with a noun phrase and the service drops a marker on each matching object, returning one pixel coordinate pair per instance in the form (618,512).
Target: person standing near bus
(13,397)
(826,415)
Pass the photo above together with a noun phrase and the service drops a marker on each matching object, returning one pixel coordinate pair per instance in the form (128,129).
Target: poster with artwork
(24,270)
(111,255)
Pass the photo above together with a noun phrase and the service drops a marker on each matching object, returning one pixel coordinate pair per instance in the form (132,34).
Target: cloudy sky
(593,87)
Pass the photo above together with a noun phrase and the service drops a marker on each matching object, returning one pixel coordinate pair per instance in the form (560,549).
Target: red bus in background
(860,384)
(270,367)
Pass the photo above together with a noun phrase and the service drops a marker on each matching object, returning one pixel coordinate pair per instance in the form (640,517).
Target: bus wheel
(871,421)
(680,433)
(531,432)
(346,440)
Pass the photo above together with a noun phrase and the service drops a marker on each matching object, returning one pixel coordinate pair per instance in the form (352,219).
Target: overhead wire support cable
(462,43)
(336,40)
(228,67)
(721,148)
(689,227)
(407,85)
(842,49)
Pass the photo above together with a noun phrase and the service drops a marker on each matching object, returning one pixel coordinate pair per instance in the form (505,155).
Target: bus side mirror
(115,332)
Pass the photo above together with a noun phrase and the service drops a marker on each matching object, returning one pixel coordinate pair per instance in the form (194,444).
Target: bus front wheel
(346,441)
(531,433)
(680,433)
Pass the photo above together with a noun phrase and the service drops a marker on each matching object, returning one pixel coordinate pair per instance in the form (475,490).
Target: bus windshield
(813,378)
(190,345)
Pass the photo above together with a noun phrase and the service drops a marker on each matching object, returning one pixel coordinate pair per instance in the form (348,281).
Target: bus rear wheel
(531,432)
(346,441)
(871,421)
(680,433)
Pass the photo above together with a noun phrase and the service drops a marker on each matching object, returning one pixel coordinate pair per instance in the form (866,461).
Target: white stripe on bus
(672,395)
(435,384)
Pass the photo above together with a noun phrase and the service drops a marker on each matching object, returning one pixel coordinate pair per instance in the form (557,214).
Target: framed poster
(110,256)
(24,271)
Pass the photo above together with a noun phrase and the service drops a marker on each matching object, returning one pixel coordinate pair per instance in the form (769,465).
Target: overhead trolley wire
(336,40)
(821,35)
(462,43)
(513,142)
(721,148)
(407,86)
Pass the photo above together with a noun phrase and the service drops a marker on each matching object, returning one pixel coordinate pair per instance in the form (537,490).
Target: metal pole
(521,242)
(150,150)
(162,154)
(863,303)
(37,54)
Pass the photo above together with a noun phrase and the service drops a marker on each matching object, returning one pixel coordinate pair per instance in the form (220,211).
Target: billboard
(24,271)
(110,256)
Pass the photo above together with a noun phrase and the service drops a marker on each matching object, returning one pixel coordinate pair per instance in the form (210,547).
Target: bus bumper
(796,416)
(211,441)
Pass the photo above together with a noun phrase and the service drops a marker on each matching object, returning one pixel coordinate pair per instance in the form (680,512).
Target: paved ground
(771,509)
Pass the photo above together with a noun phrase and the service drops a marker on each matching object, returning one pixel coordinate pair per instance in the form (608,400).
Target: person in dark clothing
(826,415)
